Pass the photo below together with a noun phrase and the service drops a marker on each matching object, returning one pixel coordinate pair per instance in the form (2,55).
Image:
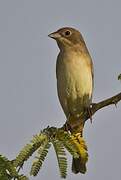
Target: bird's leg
(67,127)
(74,124)
(90,112)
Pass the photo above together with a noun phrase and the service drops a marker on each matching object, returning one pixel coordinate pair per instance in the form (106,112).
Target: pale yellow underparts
(74,81)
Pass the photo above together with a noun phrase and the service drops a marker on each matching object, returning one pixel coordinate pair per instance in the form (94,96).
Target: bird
(75,75)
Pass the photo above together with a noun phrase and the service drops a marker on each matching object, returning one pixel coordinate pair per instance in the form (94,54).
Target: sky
(28,96)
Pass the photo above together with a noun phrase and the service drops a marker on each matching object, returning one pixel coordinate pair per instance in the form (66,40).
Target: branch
(73,126)
(61,140)
(113,100)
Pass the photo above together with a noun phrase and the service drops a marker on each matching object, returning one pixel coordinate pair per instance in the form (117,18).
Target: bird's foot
(67,127)
(90,112)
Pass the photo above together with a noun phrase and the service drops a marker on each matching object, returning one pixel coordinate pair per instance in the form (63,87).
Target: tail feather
(78,166)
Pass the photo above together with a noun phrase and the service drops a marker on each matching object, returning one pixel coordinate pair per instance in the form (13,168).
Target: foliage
(29,149)
(42,153)
(82,148)
(61,157)
(119,77)
(61,140)
(8,171)
(40,144)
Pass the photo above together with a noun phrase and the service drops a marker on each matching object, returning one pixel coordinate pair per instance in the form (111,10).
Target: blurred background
(28,97)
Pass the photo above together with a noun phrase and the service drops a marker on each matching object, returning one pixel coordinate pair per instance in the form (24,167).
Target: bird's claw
(90,113)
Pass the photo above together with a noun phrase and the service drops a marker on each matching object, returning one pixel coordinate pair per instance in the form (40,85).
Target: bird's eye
(67,33)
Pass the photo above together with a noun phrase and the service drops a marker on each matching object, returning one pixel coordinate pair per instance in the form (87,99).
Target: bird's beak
(54,35)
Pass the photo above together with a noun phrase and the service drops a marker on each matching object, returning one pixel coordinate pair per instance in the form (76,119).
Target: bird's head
(67,37)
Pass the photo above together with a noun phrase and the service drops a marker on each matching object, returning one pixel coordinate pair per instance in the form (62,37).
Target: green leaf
(61,157)
(68,143)
(7,170)
(29,149)
(82,147)
(39,159)
(119,77)
(22,177)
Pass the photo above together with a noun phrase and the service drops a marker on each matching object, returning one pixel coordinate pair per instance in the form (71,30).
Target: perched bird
(74,71)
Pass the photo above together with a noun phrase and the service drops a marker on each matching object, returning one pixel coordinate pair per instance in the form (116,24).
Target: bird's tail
(79,164)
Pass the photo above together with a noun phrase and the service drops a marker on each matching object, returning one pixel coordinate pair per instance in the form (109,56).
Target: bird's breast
(74,81)
(74,75)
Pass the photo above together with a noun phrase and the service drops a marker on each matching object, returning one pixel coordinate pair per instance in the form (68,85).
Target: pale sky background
(28,98)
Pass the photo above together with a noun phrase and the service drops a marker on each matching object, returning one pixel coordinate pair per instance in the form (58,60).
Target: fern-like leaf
(61,157)
(82,148)
(42,153)
(119,77)
(22,177)
(68,142)
(7,170)
(29,149)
